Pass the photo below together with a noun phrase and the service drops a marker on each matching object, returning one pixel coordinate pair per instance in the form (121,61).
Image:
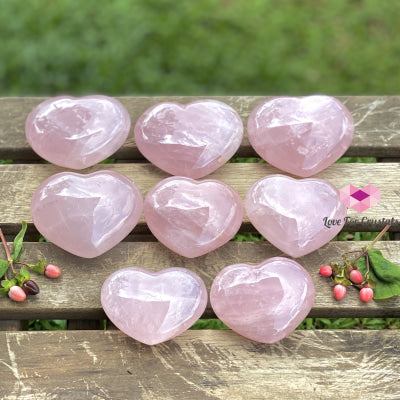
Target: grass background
(124,47)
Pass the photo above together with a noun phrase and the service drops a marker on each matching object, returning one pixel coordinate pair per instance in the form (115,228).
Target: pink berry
(356,276)
(366,294)
(52,271)
(326,270)
(16,293)
(339,291)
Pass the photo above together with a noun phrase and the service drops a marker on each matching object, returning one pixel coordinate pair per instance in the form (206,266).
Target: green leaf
(385,273)
(383,268)
(3,267)
(6,284)
(3,292)
(40,266)
(18,241)
(342,280)
(25,274)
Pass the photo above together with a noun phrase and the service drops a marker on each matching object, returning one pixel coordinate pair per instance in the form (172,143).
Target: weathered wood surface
(10,325)
(76,294)
(377,120)
(200,365)
(20,181)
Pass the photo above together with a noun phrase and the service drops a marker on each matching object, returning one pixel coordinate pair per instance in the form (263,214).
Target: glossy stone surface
(77,132)
(192,217)
(190,140)
(290,213)
(264,302)
(153,307)
(86,215)
(302,135)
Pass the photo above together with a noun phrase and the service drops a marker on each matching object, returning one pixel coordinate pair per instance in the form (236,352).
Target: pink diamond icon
(360,199)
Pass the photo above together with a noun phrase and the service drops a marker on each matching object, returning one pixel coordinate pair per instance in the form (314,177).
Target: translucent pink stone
(192,217)
(153,307)
(302,135)
(296,216)
(77,132)
(264,302)
(86,215)
(191,140)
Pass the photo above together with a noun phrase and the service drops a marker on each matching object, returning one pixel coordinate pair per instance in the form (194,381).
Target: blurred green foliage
(199,47)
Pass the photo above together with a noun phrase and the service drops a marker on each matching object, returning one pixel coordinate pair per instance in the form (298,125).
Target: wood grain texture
(199,365)
(10,325)
(20,181)
(377,121)
(76,294)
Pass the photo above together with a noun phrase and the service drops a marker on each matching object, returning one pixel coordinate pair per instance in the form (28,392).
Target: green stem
(23,264)
(6,248)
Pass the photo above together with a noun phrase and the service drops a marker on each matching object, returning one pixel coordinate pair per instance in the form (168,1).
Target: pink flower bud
(326,270)
(52,271)
(16,293)
(366,294)
(356,276)
(339,291)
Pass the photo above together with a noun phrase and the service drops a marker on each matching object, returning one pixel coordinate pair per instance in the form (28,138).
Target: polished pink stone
(153,307)
(192,217)
(302,135)
(77,132)
(264,302)
(191,140)
(86,215)
(296,216)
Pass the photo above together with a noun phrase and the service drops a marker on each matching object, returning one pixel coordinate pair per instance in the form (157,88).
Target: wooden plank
(15,198)
(377,120)
(10,325)
(76,294)
(200,365)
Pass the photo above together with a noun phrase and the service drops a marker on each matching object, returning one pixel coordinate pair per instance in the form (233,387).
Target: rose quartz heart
(86,215)
(291,213)
(264,302)
(193,218)
(77,132)
(192,140)
(153,307)
(302,135)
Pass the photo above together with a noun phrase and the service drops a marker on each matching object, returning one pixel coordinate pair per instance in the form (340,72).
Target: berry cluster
(21,283)
(348,275)
(19,288)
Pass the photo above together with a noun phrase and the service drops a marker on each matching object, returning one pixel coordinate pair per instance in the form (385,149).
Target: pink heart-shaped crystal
(191,140)
(153,307)
(77,132)
(302,135)
(193,218)
(264,302)
(296,216)
(86,215)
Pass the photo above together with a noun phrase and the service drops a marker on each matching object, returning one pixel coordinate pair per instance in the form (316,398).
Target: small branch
(6,248)
(383,231)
